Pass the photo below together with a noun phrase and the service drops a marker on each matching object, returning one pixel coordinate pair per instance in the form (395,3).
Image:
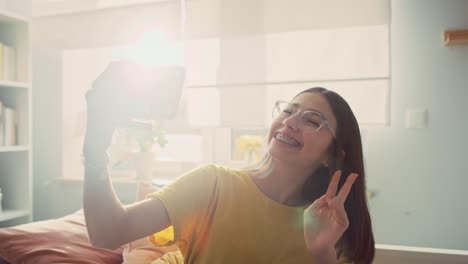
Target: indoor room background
(387,58)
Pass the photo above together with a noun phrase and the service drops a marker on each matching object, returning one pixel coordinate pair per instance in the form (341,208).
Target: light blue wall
(421,175)
(54,198)
(47,126)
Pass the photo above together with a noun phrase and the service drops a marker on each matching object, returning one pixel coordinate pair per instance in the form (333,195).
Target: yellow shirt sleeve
(188,198)
(344,260)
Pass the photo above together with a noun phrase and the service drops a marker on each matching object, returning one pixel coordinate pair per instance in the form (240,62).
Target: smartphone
(141,92)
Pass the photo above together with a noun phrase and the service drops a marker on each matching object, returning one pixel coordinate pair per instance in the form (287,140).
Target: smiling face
(295,145)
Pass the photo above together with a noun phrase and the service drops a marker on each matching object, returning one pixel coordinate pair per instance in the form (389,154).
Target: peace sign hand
(325,220)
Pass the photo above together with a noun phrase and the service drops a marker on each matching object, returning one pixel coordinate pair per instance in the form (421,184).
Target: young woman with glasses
(304,202)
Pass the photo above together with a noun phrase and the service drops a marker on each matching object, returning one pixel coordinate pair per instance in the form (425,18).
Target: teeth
(286,140)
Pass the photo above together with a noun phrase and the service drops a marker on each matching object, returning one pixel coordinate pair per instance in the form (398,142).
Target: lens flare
(153,49)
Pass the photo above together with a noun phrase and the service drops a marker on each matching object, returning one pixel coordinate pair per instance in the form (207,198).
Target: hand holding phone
(126,92)
(134,91)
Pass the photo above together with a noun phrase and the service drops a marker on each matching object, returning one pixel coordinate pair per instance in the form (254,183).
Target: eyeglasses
(310,120)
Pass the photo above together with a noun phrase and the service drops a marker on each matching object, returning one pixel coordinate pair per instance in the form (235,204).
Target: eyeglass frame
(296,112)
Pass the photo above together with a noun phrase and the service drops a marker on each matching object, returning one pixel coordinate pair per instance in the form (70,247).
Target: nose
(292,121)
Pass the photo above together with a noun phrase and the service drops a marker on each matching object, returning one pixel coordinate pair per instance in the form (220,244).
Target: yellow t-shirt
(220,216)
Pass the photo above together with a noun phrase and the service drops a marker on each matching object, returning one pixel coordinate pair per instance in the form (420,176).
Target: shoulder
(219,173)
(217,170)
(205,172)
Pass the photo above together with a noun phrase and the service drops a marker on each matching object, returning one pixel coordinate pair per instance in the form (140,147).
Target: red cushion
(63,240)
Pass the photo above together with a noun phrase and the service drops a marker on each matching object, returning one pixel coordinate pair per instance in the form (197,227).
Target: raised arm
(109,223)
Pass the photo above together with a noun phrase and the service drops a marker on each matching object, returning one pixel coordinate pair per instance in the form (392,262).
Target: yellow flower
(249,142)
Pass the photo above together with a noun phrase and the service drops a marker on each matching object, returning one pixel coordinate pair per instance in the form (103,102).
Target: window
(237,70)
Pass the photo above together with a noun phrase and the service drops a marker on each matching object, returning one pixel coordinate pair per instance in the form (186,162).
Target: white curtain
(258,51)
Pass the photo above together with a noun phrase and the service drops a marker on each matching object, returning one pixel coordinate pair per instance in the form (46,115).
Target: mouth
(288,140)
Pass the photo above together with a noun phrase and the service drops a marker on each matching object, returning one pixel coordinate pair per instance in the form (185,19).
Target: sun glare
(153,49)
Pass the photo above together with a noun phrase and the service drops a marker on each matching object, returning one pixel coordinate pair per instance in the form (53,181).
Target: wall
(22,7)
(50,36)
(47,129)
(421,174)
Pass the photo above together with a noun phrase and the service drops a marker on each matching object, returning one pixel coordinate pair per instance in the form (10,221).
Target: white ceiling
(55,7)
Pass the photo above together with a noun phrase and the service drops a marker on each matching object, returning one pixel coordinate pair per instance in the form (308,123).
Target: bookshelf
(16,93)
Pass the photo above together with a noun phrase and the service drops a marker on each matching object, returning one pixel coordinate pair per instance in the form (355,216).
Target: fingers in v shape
(345,189)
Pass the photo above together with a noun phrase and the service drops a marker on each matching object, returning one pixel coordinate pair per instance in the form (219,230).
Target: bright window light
(152,49)
(203,107)
(192,146)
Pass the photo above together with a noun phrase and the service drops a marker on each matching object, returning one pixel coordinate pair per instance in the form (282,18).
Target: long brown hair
(357,243)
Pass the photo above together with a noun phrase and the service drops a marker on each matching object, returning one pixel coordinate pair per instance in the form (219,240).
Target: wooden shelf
(456,37)
(155,181)
(16,165)
(7,215)
(80,180)
(13,148)
(11,84)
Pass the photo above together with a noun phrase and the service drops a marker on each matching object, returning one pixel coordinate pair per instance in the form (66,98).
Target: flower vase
(249,156)
(144,162)
(144,171)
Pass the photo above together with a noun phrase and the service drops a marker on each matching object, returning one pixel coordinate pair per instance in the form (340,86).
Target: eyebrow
(310,109)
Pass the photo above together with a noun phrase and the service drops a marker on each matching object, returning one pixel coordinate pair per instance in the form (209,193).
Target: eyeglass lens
(308,119)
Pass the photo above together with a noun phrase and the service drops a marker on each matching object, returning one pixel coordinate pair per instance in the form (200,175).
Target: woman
(295,206)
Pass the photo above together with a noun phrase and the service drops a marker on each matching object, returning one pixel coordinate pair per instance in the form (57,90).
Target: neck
(283,183)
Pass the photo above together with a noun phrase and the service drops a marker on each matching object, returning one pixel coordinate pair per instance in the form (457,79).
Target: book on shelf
(1,124)
(1,60)
(7,62)
(8,126)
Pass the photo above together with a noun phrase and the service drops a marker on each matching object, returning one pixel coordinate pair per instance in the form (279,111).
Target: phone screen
(142,92)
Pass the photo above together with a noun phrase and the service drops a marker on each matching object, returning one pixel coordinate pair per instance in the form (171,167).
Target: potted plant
(146,139)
